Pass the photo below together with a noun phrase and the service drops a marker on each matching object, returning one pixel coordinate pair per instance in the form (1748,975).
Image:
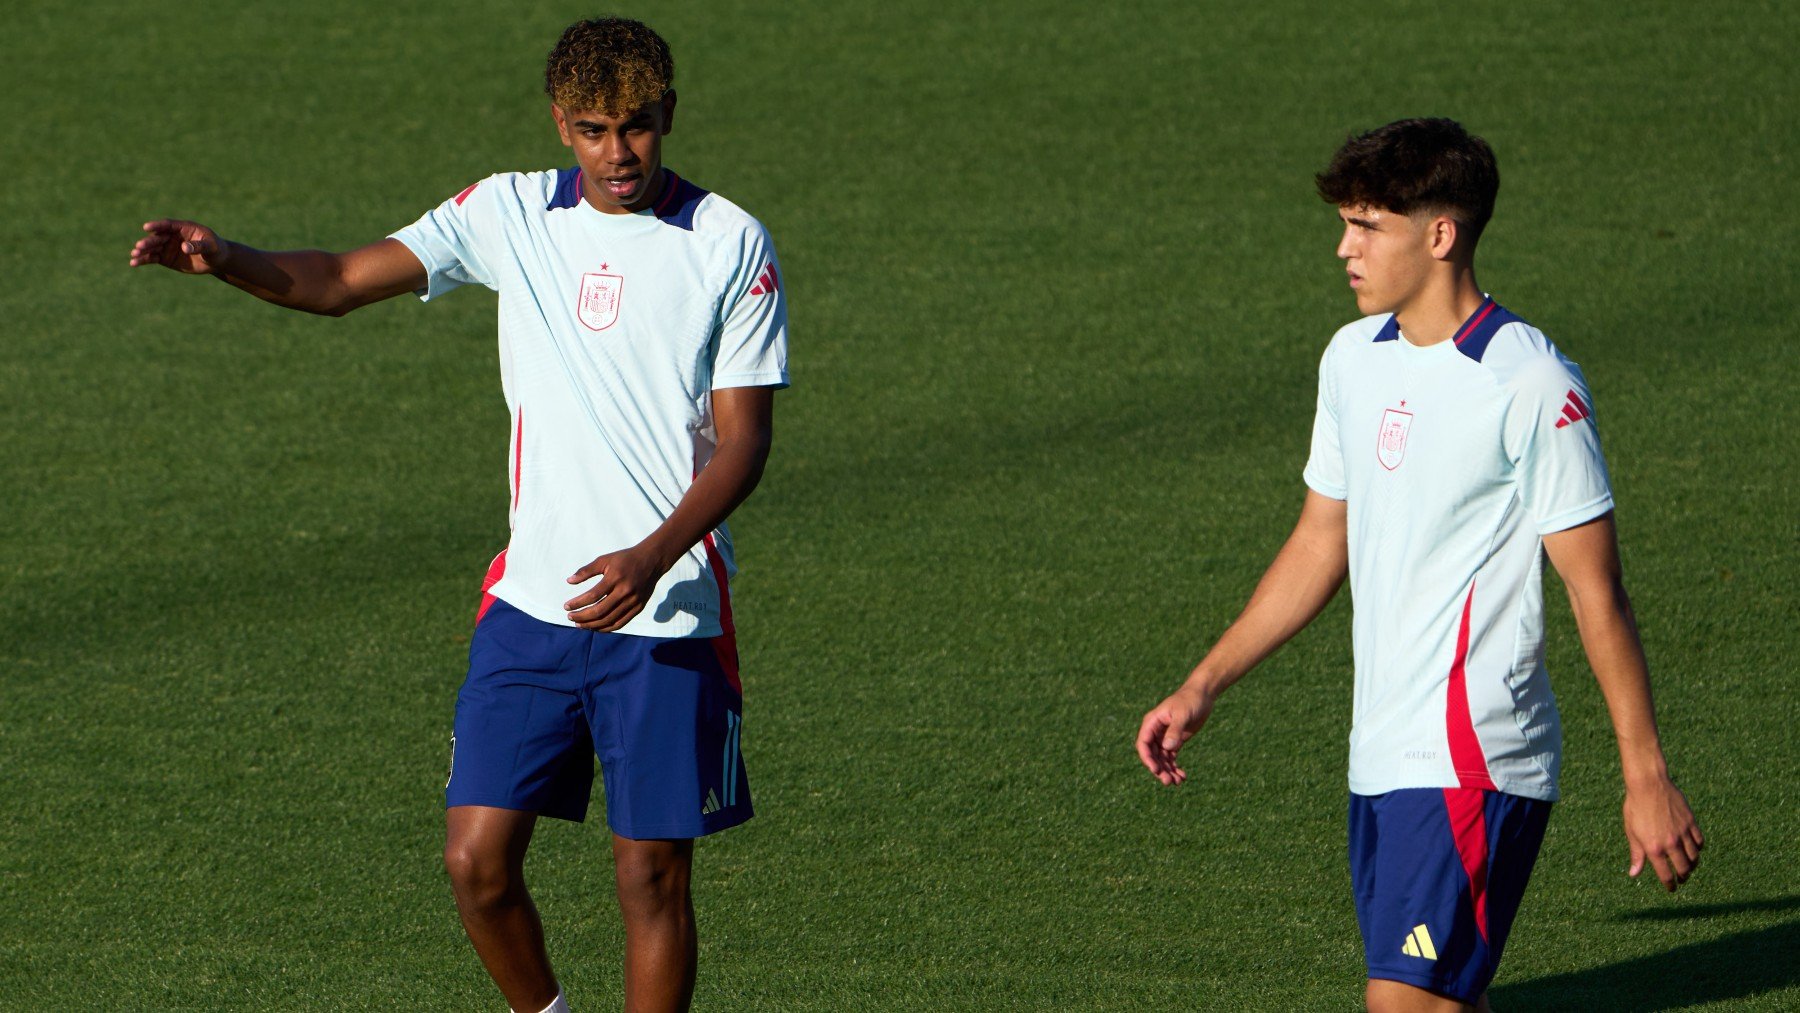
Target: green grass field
(1058,290)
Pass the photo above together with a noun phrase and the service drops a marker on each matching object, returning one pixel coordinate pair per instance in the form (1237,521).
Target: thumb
(1174,737)
(1637,860)
(594,569)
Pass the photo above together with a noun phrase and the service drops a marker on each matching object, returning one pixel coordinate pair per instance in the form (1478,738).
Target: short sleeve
(1554,445)
(448,240)
(1324,472)
(752,336)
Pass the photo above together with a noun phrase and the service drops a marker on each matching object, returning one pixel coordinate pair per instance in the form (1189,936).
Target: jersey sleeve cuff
(1324,488)
(773,378)
(436,283)
(1580,515)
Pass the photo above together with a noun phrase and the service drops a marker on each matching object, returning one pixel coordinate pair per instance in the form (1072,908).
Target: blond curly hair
(608,64)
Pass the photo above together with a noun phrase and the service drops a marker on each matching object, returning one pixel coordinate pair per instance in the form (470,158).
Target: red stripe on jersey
(1580,405)
(518,457)
(1466,757)
(1572,413)
(1469,328)
(466,192)
(725,644)
(496,570)
(1468,825)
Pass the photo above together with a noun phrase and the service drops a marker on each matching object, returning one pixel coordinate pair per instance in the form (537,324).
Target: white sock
(557,1005)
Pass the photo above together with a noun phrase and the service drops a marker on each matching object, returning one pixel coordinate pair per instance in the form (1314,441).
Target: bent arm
(1658,822)
(313,281)
(743,418)
(1297,586)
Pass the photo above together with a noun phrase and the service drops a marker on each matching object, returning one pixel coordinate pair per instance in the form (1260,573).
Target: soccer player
(643,331)
(1453,448)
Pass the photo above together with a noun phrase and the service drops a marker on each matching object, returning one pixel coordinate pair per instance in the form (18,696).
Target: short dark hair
(609,64)
(1416,165)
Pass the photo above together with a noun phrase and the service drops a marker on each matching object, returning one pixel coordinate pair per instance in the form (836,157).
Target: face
(620,156)
(1388,256)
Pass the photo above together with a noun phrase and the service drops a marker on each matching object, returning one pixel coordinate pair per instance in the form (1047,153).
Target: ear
(562,124)
(668,111)
(1441,236)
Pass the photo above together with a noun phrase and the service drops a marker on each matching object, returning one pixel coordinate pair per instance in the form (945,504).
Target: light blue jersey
(615,329)
(1455,459)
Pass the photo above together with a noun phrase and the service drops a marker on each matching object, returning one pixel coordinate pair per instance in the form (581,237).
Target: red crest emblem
(598,304)
(1390,446)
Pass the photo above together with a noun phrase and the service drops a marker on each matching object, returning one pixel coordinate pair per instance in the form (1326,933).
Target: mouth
(622,187)
(1355,279)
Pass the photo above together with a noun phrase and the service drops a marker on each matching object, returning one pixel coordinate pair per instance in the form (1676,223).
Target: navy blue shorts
(1438,874)
(663,714)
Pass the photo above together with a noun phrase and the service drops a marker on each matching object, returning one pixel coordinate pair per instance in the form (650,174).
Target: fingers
(606,606)
(612,612)
(1153,751)
(1672,861)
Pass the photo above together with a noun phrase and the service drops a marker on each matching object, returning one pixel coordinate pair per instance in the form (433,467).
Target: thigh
(522,739)
(668,728)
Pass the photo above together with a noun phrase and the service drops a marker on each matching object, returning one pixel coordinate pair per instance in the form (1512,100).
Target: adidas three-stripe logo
(1574,410)
(766,282)
(1418,943)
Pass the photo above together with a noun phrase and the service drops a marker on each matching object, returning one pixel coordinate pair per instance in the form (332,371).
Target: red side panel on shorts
(1466,756)
(725,644)
(1468,824)
(496,570)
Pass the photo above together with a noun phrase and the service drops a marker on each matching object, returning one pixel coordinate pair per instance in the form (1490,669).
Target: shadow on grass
(1737,966)
(1681,912)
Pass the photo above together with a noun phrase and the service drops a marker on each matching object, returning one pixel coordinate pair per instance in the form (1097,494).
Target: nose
(616,151)
(1346,247)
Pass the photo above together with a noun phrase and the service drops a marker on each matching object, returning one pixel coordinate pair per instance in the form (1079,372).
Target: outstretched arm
(1659,825)
(332,284)
(1296,588)
(743,417)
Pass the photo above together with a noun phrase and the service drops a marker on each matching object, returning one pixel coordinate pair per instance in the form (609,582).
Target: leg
(484,852)
(1385,996)
(660,955)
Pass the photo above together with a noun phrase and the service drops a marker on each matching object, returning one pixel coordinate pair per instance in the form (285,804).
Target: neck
(1441,307)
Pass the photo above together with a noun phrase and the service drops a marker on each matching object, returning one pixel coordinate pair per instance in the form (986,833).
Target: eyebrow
(640,118)
(1367,223)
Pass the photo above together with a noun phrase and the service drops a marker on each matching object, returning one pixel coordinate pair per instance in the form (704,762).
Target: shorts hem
(678,831)
(568,813)
(1429,982)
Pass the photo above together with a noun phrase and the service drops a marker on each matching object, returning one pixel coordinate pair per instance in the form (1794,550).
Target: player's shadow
(1737,966)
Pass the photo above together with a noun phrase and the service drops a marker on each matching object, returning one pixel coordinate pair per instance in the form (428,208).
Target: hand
(1661,829)
(628,577)
(1168,727)
(188,247)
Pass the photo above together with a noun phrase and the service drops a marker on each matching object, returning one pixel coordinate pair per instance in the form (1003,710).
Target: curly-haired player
(1454,447)
(643,332)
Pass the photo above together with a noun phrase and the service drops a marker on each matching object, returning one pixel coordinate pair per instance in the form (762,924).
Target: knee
(651,884)
(480,878)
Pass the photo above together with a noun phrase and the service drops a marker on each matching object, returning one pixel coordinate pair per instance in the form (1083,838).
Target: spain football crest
(598,304)
(1390,447)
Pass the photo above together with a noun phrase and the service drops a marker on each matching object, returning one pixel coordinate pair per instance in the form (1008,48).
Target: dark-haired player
(643,330)
(1453,447)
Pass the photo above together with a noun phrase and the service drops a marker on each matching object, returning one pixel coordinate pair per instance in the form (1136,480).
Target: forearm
(726,481)
(307,280)
(1609,636)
